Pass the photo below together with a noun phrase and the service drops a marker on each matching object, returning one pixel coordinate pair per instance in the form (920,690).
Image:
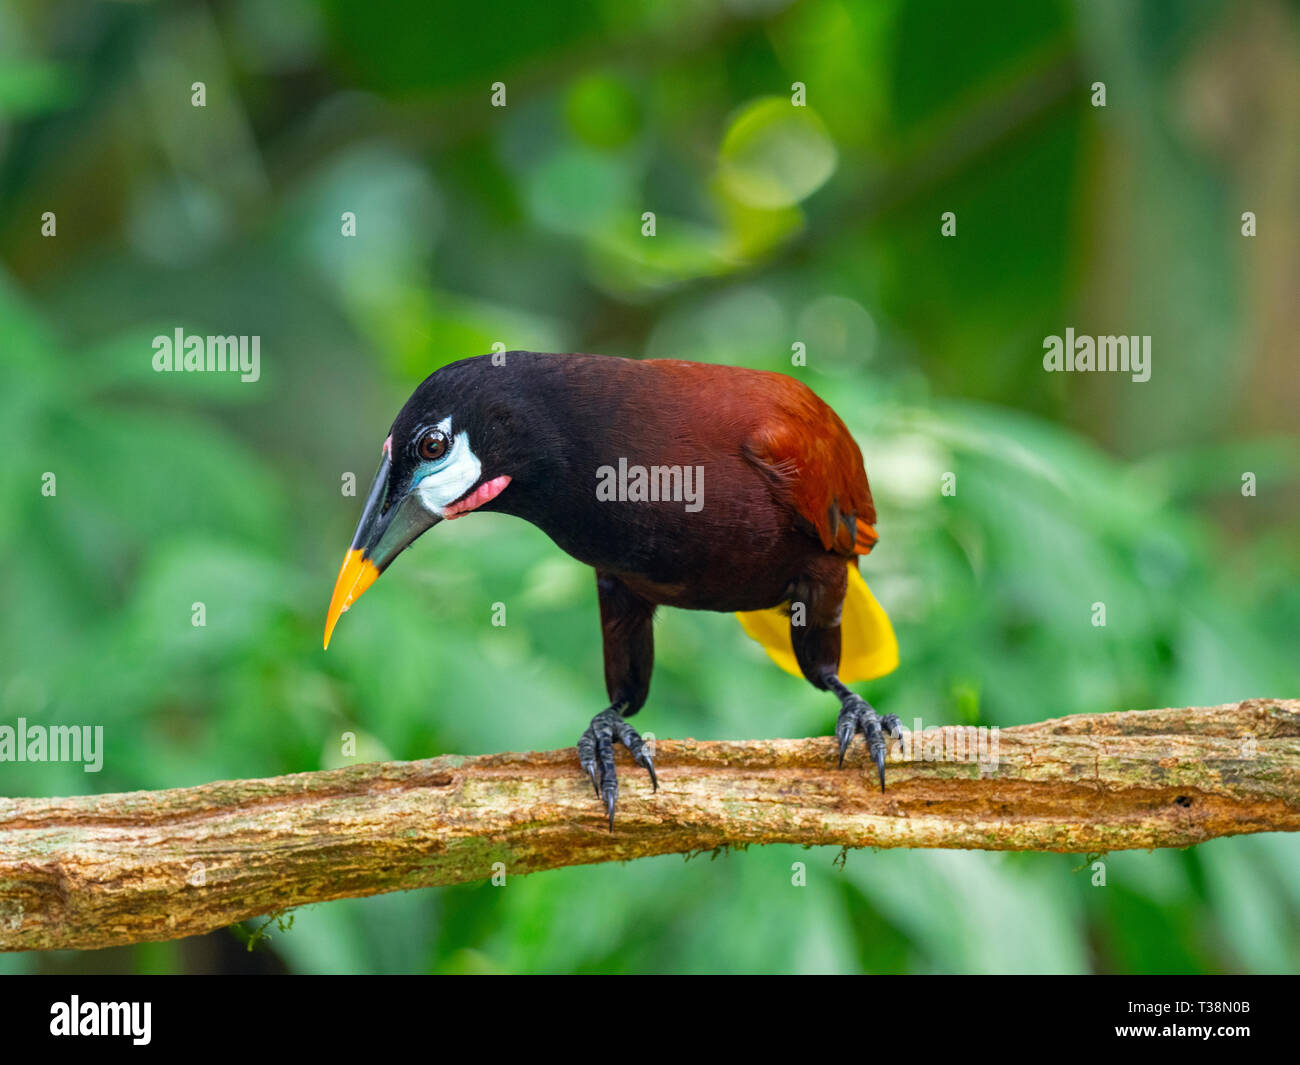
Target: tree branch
(97,871)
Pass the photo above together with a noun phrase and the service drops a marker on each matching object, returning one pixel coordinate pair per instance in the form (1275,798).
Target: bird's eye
(432,445)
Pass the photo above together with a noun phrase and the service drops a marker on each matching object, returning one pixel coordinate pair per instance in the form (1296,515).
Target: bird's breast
(728,548)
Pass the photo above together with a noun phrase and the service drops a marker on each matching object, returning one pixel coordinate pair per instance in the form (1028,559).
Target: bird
(682,484)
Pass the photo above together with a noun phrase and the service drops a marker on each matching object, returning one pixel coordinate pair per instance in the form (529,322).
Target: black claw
(845,727)
(858,716)
(596,751)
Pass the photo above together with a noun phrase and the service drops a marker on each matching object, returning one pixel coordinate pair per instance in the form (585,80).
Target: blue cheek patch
(424,469)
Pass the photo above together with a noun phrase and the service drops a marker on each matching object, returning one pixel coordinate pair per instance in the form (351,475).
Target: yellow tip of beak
(358,574)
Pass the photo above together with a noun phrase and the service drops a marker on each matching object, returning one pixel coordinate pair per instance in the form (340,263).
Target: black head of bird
(681,484)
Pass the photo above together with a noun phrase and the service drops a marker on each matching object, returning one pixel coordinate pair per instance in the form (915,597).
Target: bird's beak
(387,527)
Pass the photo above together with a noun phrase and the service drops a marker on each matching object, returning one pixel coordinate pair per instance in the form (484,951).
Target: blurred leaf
(775,154)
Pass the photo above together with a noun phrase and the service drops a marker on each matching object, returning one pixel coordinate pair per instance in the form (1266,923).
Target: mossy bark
(102,870)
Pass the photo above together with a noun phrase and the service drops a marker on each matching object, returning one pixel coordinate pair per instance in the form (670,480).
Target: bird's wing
(816,467)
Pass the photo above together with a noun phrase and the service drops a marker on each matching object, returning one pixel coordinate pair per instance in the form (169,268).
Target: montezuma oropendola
(779,509)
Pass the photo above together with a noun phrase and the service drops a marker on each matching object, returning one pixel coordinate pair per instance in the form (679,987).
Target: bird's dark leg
(815,634)
(626,622)
(858,715)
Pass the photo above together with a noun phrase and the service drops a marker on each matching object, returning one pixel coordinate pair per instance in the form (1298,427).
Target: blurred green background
(775,225)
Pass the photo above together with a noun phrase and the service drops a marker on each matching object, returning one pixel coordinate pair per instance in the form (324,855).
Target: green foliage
(258,937)
(523,225)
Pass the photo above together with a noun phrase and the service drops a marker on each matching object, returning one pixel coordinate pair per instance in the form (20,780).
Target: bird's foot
(596,753)
(857,716)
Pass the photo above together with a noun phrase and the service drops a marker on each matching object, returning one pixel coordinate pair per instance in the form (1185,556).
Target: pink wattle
(488,490)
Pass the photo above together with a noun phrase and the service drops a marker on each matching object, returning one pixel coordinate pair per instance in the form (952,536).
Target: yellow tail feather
(868,647)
